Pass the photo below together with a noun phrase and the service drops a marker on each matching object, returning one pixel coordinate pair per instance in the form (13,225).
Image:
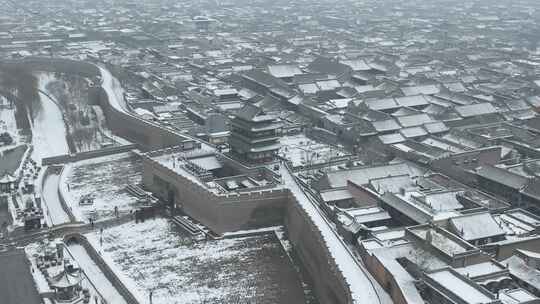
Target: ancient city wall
(221,213)
(387,280)
(250,210)
(194,200)
(257,209)
(148,135)
(329,284)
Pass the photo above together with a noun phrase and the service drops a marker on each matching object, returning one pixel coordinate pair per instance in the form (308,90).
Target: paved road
(51,198)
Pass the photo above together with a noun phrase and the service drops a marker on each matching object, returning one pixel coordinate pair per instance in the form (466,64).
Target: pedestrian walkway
(55,212)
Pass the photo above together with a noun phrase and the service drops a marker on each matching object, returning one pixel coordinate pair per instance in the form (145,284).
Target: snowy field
(155,256)
(105,179)
(48,129)
(304,151)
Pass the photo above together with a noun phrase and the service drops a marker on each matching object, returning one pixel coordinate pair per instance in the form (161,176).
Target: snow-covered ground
(48,129)
(105,179)
(156,257)
(55,214)
(302,151)
(114,90)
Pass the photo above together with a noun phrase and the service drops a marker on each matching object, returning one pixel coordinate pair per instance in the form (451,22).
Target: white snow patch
(48,129)
(154,257)
(105,178)
(51,198)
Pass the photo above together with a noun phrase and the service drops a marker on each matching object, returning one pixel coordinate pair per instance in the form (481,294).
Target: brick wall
(100,262)
(329,284)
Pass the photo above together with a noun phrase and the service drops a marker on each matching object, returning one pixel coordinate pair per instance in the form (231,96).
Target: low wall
(65,206)
(105,268)
(506,249)
(402,291)
(61,159)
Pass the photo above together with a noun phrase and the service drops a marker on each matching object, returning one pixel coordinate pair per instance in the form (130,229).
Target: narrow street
(55,214)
